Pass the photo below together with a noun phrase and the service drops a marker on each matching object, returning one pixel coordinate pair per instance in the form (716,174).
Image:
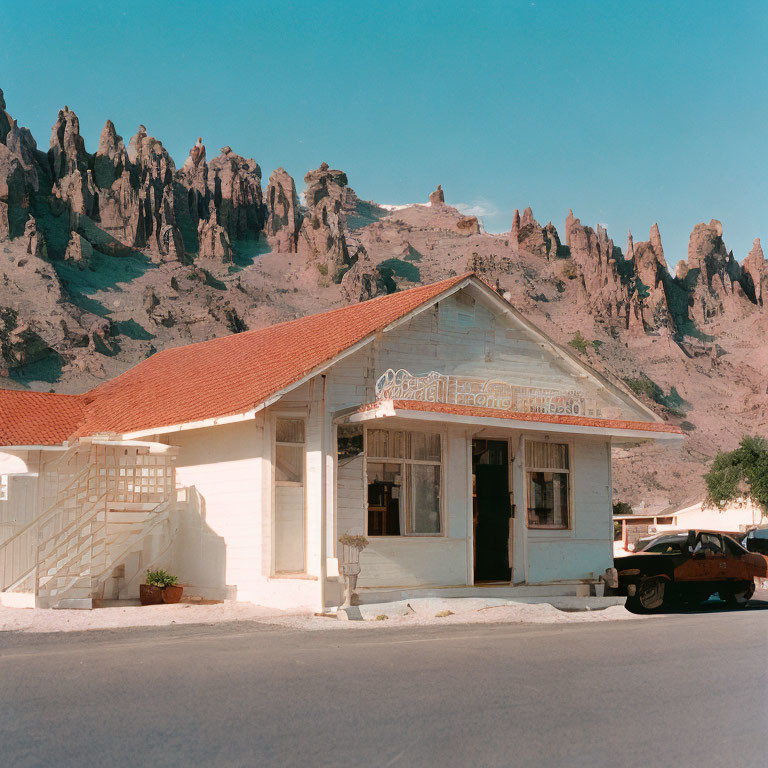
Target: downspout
(323,500)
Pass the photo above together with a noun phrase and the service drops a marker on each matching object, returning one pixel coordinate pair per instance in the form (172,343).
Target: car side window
(709,543)
(732,548)
(666,548)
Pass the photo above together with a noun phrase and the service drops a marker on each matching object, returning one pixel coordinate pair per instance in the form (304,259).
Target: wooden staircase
(112,505)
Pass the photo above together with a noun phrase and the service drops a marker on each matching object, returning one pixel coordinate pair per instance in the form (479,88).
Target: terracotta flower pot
(149,594)
(172,594)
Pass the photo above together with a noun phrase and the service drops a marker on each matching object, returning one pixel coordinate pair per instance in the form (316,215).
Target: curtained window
(547,474)
(404,477)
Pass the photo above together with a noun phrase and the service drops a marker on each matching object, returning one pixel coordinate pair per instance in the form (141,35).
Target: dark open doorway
(491,509)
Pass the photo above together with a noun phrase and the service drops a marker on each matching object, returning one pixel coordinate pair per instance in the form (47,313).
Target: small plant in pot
(160,587)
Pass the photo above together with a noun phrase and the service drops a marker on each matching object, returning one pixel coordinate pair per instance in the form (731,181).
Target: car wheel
(739,595)
(650,593)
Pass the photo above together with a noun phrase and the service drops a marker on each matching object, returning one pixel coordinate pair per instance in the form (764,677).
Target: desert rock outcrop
(593,255)
(756,274)
(468,225)
(711,275)
(18,174)
(283,217)
(213,238)
(650,275)
(235,186)
(528,235)
(321,238)
(437,197)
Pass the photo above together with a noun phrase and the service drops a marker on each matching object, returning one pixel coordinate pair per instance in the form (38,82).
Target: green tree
(741,472)
(621,508)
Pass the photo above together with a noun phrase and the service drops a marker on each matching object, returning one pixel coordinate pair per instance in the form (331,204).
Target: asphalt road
(678,690)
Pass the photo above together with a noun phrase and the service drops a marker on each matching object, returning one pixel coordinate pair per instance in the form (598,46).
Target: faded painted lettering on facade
(434,387)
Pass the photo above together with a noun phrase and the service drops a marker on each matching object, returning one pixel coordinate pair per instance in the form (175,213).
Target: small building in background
(735,516)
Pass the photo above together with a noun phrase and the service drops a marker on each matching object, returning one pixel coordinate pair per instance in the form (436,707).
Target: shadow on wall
(200,554)
(196,554)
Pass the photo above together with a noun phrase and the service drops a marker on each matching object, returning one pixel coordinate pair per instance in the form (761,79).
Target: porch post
(324,441)
(520,555)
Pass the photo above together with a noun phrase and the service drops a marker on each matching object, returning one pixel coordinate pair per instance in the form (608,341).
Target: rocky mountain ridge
(109,256)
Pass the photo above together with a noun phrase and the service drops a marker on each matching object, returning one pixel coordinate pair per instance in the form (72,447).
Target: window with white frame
(404,480)
(289,452)
(289,518)
(548,482)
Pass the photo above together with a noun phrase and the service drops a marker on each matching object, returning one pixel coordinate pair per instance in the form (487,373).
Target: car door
(737,561)
(718,558)
(707,561)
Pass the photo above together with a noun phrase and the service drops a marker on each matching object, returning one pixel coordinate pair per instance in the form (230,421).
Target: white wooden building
(469,448)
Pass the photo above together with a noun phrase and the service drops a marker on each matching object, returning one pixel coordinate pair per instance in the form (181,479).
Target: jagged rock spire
(437,197)
(283,217)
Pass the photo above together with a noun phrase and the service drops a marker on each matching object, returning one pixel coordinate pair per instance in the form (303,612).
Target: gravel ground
(42,620)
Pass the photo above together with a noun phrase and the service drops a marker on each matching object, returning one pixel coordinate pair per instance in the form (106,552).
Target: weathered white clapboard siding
(412,561)
(461,338)
(350,497)
(586,551)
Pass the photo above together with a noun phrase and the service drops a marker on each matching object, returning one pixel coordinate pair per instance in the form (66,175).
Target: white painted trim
(61,447)
(213,422)
(386,409)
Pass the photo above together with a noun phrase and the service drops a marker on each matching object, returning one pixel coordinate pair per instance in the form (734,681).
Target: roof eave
(386,409)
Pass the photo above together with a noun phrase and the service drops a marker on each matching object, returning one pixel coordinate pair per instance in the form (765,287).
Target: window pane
(548,499)
(289,463)
(384,484)
(424,498)
(289,431)
(425,446)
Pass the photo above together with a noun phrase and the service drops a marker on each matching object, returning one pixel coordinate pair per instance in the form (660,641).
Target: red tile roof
(547,418)
(38,418)
(216,378)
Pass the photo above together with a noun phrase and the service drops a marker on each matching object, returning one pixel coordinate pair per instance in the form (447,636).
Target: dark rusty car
(689,568)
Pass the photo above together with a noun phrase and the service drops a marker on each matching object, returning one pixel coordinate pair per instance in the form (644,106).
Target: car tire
(650,593)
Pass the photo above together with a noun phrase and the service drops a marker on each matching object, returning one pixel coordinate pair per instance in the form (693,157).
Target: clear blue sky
(628,112)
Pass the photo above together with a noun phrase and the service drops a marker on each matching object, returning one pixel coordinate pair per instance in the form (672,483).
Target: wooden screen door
(289,475)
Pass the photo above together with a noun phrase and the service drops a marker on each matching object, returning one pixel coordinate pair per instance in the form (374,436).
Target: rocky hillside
(109,255)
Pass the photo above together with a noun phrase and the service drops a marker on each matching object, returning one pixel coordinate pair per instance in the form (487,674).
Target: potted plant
(160,587)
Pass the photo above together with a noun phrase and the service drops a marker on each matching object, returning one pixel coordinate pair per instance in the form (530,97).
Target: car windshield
(667,545)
